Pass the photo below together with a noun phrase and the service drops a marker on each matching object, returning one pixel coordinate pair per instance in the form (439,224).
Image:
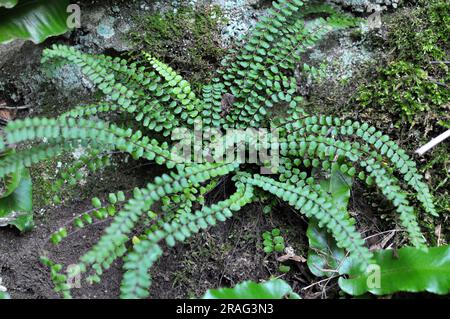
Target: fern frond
(187,105)
(257,78)
(212,95)
(319,151)
(100,132)
(260,76)
(382,144)
(90,110)
(312,203)
(98,74)
(92,161)
(131,96)
(25,158)
(137,280)
(110,246)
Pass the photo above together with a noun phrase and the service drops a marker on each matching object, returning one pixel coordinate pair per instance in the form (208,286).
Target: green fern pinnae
(258,79)
(34,155)
(110,245)
(321,152)
(312,203)
(380,143)
(252,81)
(99,213)
(187,105)
(148,98)
(90,110)
(63,130)
(136,281)
(212,95)
(92,161)
(89,65)
(256,75)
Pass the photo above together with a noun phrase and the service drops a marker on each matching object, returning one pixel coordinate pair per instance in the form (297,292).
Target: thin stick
(320,281)
(435,141)
(384,232)
(22,107)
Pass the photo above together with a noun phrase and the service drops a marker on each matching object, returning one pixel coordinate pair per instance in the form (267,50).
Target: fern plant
(253,82)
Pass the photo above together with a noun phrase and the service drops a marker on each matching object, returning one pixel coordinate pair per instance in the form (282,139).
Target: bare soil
(223,256)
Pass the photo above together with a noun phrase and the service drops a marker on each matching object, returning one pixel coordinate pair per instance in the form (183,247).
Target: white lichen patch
(342,60)
(241,17)
(106,28)
(78,153)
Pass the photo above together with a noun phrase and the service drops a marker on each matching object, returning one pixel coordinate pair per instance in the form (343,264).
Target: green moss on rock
(417,79)
(187,38)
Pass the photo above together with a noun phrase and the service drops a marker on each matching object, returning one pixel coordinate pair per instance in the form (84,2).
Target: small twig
(320,281)
(435,141)
(384,232)
(21,107)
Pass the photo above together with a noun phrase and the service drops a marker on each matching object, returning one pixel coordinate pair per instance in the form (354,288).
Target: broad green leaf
(410,270)
(272,289)
(8,3)
(33,20)
(323,252)
(17,208)
(338,186)
(4,295)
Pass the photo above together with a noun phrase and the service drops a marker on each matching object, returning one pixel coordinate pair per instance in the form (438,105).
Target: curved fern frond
(382,144)
(318,151)
(136,281)
(312,203)
(186,104)
(111,244)
(90,110)
(25,158)
(260,76)
(148,98)
(63,130)
(92,161)
(262,73)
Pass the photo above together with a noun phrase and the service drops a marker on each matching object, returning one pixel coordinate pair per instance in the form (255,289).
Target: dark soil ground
(223,256)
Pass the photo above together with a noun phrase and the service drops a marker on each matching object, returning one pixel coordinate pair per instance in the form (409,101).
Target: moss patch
(187,39)
(417,78)
(406,90)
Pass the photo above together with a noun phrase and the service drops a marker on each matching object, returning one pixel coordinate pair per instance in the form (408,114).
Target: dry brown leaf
(290,255)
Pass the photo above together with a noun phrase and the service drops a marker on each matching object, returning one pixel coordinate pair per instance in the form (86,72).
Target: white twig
(21,107)
(435,141)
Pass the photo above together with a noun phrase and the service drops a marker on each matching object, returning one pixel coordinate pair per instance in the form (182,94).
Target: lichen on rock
(368,5)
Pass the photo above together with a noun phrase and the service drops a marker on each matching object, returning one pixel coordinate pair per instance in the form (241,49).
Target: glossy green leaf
(4,295)
(338,186)
(408,270)
(8,3)
(323,252)
(272,289)
(17,208)
(324,256)
(33,20)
